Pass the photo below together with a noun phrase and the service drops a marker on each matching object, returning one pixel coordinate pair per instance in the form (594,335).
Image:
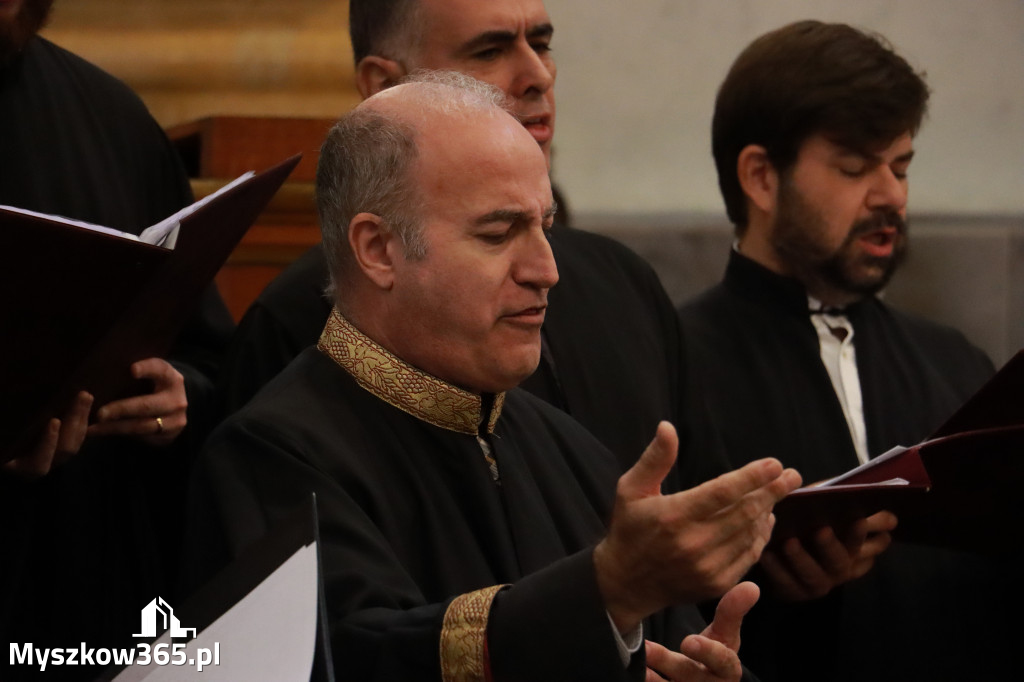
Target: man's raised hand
(689,546)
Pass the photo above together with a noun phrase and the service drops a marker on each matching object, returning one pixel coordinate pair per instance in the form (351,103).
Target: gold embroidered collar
(400,384)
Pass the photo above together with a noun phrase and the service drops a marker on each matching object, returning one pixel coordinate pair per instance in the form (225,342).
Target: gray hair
(366,161)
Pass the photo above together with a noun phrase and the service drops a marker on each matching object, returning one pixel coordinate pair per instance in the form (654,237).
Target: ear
(375,73)
(372,245)
(758,177)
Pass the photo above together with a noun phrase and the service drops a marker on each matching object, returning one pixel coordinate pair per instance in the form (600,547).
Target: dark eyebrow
(487,38)
(501,37)
(545,30)
(878,161)
(502,215)
(904,158)
(508,215)
(875,158)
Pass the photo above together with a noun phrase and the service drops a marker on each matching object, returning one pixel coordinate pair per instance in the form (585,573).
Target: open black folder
(961,488)
(82,305)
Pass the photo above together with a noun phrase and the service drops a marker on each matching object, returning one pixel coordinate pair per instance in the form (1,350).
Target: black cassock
(921,614)
(86,547)
(414,527)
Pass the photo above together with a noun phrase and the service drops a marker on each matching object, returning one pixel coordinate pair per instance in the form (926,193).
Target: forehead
(463,161)
(450,23)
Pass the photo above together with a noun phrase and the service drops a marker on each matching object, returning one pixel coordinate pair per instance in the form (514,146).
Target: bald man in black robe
(468,528)
(611,338)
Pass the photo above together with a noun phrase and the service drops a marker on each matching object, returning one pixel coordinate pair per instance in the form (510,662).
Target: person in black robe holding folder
(92,518)
(800,359)
(463,520)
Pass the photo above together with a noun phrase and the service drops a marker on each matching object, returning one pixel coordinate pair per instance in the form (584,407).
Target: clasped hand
(798,571)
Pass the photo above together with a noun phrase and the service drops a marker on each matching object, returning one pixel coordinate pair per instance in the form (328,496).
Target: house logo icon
(158,616)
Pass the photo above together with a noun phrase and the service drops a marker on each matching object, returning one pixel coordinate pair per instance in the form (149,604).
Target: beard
(16,32)
(837,276)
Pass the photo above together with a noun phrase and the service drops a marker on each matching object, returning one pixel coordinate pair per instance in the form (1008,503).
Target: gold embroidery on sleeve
(464,635)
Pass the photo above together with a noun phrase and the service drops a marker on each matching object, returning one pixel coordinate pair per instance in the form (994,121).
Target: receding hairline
(445,93)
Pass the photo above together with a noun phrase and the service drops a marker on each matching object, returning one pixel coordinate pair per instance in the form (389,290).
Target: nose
(535,73)
(889,190)
(535,266)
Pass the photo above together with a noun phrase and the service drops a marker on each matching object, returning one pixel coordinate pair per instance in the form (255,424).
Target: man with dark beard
(813,137)
(91,512)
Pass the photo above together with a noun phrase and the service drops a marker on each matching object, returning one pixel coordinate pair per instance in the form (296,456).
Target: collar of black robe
(757,283)
(403,386)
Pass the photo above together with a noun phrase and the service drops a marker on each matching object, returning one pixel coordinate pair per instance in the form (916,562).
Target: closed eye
(488,55)
(539,38)
(494,239)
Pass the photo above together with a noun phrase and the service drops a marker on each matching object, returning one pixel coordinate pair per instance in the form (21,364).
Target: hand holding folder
(84,304)
(959,489)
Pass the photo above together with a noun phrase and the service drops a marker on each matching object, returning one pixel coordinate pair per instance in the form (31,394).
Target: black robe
(611,346)
(920,614)
(80,144)
(410,517)
(86,547)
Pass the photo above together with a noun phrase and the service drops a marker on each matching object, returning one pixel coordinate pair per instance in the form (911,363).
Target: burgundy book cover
(83,306)
(960,488)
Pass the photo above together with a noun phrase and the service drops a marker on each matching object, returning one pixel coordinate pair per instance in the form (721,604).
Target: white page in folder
(269,635)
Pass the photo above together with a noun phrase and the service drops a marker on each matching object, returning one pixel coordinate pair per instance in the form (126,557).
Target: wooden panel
(218,149)
(190,59)
(227,146)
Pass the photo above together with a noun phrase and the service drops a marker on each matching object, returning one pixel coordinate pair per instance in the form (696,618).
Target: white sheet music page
(870,464)
(268,636)
(163,233)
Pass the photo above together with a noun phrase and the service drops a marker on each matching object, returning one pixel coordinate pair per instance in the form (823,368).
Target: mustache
(878,221)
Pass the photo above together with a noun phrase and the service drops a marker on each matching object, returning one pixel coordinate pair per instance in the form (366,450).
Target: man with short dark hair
(463,520)
(813,138)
